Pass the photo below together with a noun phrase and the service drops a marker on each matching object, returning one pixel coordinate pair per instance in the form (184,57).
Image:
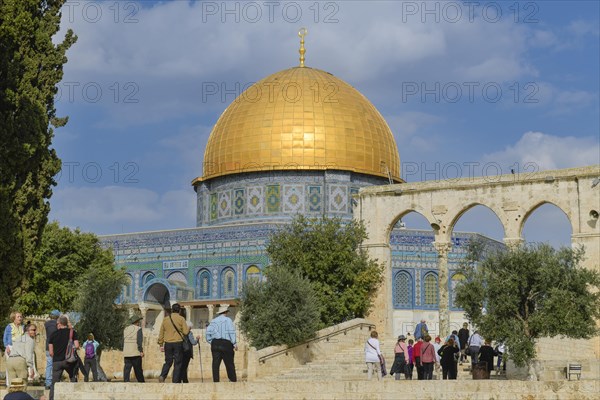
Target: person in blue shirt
(221,336)
(421,330)
(90,346)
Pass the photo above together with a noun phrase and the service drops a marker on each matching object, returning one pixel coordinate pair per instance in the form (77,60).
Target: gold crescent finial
(303,32)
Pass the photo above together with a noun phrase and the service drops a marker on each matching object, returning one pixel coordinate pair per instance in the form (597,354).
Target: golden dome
(301,119)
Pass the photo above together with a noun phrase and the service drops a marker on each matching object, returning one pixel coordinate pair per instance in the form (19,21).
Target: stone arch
(390,227)
(529,211)
(158,292)
(464,209)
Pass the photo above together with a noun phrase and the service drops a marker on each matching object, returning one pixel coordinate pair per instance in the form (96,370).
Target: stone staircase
(349,365)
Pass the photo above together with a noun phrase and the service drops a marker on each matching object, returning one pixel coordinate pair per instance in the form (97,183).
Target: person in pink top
(427,358)
(401,359)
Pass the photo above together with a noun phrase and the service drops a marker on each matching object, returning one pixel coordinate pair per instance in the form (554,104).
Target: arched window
(253,272)
(456,278)
(148,276)
(177,276)
(430,290)
(203,284)
(403,290)
(228,283)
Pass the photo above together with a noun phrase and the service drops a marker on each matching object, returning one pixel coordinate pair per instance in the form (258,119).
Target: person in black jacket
(486,354)
(463,337)
(447,359)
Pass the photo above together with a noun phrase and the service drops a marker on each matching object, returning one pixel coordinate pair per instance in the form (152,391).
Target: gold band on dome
(303,32)
(301,119)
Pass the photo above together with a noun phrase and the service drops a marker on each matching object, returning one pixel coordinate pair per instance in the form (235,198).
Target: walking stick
(200,359)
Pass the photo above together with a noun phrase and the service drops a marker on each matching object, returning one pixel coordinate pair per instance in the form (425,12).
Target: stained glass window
(403,293)
(431,290)
(203,284)
(253,272)
(228,284)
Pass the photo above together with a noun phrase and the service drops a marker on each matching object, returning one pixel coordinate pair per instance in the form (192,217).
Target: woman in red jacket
(427,358)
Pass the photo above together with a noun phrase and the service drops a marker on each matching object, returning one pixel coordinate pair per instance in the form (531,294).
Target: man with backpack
(90,361)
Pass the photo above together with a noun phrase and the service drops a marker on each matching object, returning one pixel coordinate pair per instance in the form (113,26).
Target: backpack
(89,350)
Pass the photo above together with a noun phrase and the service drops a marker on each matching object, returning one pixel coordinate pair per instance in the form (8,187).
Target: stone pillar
(513,242)
(591,261)
(444,307)
(143,311)
(382,312)
(211,311)
(188,313)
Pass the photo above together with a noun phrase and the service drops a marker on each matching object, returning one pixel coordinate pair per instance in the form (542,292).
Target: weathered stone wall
(325,390)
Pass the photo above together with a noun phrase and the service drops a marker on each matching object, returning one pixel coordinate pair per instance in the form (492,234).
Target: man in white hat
(133,350)
(221,336)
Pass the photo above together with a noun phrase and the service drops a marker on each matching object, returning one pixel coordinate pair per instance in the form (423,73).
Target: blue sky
(488,86)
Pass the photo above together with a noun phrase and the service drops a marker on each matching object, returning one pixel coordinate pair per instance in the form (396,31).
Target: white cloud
(549,152)
(170,52)
(113,209)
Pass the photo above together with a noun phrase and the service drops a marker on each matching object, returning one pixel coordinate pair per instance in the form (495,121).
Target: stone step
(331,390)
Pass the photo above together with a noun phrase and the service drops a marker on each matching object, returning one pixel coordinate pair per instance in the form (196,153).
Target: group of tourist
(62,343)
(424,356)
(61,355)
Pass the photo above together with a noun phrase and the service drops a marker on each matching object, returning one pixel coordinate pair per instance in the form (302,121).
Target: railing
(325,337)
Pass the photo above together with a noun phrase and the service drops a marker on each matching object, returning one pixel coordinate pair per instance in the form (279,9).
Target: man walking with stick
(221,336)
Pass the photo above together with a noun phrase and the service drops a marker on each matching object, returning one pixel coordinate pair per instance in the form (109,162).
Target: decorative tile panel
(214,200)
(239,201)
(315,199)
(293,198)
(255,200)
(338,198)
(273,198)
(224,205)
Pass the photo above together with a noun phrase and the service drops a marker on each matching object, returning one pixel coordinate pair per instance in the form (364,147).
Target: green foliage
(31,66)
(529,292)
(327,252)
(98,289)
(284,309)
(63,257)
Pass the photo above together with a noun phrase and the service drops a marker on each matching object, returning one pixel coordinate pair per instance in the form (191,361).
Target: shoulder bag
(381,360)
(70,357)
(187,345)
